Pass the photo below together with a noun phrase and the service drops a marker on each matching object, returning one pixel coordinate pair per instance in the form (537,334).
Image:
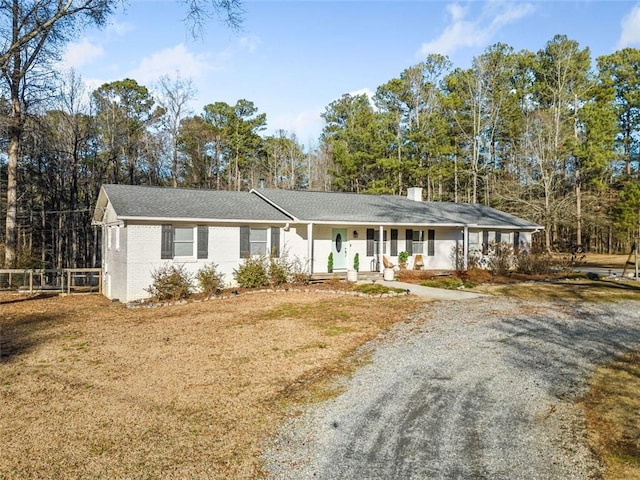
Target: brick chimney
(414,193)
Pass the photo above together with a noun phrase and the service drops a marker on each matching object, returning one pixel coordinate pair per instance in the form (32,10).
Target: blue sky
(292,58)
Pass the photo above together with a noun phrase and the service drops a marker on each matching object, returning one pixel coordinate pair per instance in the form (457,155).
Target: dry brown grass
(605,261)
(613,417)
(90,389)
(579,289)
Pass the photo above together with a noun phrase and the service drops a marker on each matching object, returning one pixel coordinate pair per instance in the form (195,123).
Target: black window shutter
(431,241)
(409,240)
(203,241)
(245,236)
(485,242)
(516,242)
(370,240)
(394,242)
(498,237)
(166,249)
(275,242)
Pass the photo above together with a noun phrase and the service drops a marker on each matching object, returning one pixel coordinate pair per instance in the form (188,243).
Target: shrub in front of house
(170,282)
(501,258)
(252,273)
(279,271)
(209,280)
(299,271)
(535,263)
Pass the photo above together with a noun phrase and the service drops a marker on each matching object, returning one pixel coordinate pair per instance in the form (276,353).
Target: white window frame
(418,245)
(253,242)
(177,242)
(475,246)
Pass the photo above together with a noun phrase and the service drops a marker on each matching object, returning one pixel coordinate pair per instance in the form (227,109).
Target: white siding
(128,269)
(294,244)
(115,262)
(143,242)
(446,240)
(321,247)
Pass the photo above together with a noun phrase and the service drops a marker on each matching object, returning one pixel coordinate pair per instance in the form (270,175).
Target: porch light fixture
(355,234)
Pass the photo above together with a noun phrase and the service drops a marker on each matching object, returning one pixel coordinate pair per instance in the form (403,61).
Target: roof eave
(200,220)
(101,207)
(276,206)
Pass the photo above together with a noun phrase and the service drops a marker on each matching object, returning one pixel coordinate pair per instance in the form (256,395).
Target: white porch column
(381,249)
(465,249)
(310,246)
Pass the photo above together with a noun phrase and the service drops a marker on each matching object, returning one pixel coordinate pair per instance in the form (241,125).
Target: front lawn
(91,389)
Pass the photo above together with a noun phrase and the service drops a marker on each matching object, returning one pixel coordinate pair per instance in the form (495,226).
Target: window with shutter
(245,248)
(370,242)
(203,242)
(485,242)
(431,243)
(376,239)
(253,241)
(394,242)
(418,241)
(409,240)
(183,241)
(166,249)
(258,241)
(275,242)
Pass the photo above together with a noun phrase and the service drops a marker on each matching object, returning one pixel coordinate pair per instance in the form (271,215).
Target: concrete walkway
(433,293)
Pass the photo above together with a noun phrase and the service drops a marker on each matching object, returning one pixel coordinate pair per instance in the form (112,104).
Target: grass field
(91,389)
(613,416)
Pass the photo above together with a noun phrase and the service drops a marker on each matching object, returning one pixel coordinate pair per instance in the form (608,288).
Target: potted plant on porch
(352,275)
(403,258)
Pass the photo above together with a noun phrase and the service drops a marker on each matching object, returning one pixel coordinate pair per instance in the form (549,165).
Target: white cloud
(630,34)
(456,11)
(118,29)
(362,91)
(80,54)
(250,43)
(465,32)
(306,125)
(169,61)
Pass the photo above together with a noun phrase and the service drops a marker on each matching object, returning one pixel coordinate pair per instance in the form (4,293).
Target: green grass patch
(290,310)
(375,289)
(448,283)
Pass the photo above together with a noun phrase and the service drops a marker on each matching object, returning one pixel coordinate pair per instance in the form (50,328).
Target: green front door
(339,248)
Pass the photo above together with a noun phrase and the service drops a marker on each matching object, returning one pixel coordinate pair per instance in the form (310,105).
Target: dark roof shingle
(131,201)
(387,209)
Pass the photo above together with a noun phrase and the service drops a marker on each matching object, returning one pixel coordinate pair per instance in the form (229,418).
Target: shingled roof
(141,202)
(270,205)
(336,207)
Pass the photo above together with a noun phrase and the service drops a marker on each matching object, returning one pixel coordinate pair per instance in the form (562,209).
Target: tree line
(544,135)
(548,135)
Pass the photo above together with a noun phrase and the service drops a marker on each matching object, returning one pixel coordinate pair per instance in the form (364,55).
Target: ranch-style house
(145,227)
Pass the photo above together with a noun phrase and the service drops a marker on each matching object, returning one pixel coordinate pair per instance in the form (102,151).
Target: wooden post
(634,253)
(635,257)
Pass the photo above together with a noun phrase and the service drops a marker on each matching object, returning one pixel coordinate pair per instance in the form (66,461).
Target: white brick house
(145,227)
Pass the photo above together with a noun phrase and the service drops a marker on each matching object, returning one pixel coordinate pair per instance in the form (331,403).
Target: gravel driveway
(474,389)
